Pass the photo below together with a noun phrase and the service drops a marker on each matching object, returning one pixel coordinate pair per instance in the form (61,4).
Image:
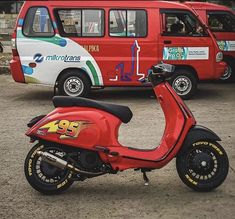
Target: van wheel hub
(182,85)
(227,74)
(73,86)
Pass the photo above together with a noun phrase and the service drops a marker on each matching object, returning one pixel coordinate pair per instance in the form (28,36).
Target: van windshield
(221,21)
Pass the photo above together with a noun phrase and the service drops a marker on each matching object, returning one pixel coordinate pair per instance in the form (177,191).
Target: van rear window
(38,23)
(128,23)
(80,22)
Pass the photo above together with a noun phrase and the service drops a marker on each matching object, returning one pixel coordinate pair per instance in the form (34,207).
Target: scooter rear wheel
(44,177)
(203,166)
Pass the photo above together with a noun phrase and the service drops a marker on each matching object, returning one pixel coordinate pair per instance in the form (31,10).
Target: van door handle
(167,42)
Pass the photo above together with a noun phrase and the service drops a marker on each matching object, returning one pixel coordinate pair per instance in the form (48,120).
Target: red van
(79,45)
(221,21)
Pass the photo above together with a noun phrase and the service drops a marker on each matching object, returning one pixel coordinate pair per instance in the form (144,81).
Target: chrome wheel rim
(227,74)
(182,85)
(73,86)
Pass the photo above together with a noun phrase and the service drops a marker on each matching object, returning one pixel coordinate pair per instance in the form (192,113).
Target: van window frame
(127,9)
(208,12)
(165,11)
(60,26)
(39,36)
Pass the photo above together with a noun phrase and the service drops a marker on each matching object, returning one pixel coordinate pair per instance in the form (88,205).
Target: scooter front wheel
(44,177)
(203,166)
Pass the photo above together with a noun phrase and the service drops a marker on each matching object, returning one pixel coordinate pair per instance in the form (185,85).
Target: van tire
(74,83)
(184,83)
(229,75)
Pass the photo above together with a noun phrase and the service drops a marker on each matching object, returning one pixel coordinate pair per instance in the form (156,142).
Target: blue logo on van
(38,58)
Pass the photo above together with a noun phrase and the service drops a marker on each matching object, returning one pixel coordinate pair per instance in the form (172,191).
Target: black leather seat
(122,112)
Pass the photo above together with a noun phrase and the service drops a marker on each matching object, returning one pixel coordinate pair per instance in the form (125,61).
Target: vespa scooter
(79,140)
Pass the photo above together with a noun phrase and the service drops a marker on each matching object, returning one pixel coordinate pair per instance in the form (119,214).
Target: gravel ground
(4,63)
(114,196)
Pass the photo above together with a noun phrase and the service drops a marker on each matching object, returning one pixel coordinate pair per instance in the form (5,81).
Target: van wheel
(74,84)
(229,74)
(184,83)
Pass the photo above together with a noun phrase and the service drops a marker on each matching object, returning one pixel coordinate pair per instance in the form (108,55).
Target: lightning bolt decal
(64,128)
(52,126)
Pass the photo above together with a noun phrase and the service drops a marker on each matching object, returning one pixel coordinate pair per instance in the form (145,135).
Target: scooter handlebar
(159,73)
(163,69)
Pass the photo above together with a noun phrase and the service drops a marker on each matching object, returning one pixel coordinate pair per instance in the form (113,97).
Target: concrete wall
(7,23)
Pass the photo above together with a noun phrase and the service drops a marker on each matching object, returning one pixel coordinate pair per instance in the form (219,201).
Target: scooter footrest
(106,151)
(103,149)
(113,153)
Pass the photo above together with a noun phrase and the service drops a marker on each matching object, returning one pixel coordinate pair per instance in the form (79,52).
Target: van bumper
(220,69)
(16,71)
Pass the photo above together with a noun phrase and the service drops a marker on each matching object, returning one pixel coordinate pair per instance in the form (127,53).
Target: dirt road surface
(114,196)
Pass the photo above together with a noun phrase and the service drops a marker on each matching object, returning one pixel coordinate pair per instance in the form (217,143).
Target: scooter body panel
(179,120)
(79,127)
(87,128)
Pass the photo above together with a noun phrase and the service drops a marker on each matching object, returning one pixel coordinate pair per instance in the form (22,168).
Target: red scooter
(79,140)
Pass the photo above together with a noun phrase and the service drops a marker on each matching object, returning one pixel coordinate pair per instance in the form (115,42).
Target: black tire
(74,83)
(203,166)
(1,49)
(184,83)
(36,170)
(229,75)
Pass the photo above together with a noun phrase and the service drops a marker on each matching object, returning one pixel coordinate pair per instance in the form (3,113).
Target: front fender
(199,133)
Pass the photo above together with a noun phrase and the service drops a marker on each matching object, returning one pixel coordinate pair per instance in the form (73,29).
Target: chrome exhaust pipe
(62,164)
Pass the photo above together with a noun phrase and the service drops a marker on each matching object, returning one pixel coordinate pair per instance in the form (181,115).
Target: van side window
(180,23)
(71,21)
(38,23)
(128,23)
(221,21)
(93,23)
(81,23)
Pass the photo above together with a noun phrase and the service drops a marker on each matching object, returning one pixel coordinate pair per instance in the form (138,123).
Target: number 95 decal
(69,129)
(65,128)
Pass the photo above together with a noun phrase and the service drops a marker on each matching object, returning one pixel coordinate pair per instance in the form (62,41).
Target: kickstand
(146,179)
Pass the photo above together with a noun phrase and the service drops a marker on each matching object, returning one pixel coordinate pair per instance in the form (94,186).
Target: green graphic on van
(175,53)
(93,71)
(54,40)
(186,53)
(226,45)
(61,53)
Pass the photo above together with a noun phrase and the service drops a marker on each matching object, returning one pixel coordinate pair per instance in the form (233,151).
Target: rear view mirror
(163,67)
